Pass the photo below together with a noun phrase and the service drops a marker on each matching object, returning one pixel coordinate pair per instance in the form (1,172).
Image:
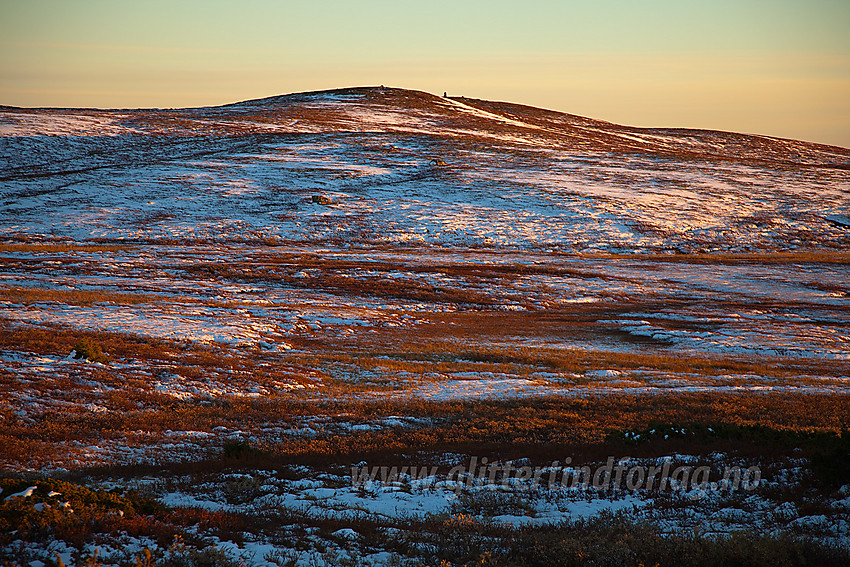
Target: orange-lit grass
(450,342)
(51,248)
(805,257)
(28,295)
(526,426)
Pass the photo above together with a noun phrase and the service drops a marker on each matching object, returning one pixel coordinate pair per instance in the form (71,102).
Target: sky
(772,67)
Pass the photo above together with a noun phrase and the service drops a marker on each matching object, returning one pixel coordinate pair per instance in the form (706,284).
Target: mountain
(266,333)
(399,167)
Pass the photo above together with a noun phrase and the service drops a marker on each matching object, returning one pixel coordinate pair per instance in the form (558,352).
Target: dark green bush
(87,349)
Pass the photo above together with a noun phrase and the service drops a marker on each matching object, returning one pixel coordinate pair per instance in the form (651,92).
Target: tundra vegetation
(215,321)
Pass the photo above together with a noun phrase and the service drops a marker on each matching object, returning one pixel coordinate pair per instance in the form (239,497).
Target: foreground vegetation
(99,517)
(176,449)
(74,508)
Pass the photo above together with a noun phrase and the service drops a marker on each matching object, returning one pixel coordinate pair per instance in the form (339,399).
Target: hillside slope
(514,177)
(216,321)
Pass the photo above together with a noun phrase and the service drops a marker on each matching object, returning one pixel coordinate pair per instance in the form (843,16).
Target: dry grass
(53,248)
(181,535)
(29,295)
(541,428)
(59,340)
(472,337)
(493,340)
(804,257)
(518,426)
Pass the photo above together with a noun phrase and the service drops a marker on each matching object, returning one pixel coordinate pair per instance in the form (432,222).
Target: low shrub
(87,349)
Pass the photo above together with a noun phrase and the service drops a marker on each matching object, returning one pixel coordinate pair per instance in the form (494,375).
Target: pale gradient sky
(774,67)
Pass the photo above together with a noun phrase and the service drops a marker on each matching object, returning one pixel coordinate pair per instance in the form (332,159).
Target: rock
(322,200)
(346,533)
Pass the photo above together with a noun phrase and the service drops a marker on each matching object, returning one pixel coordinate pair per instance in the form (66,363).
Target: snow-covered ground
(296,511)
(370,244)
(248,172)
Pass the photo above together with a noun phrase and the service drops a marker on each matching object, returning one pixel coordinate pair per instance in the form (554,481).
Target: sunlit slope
(379,166)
